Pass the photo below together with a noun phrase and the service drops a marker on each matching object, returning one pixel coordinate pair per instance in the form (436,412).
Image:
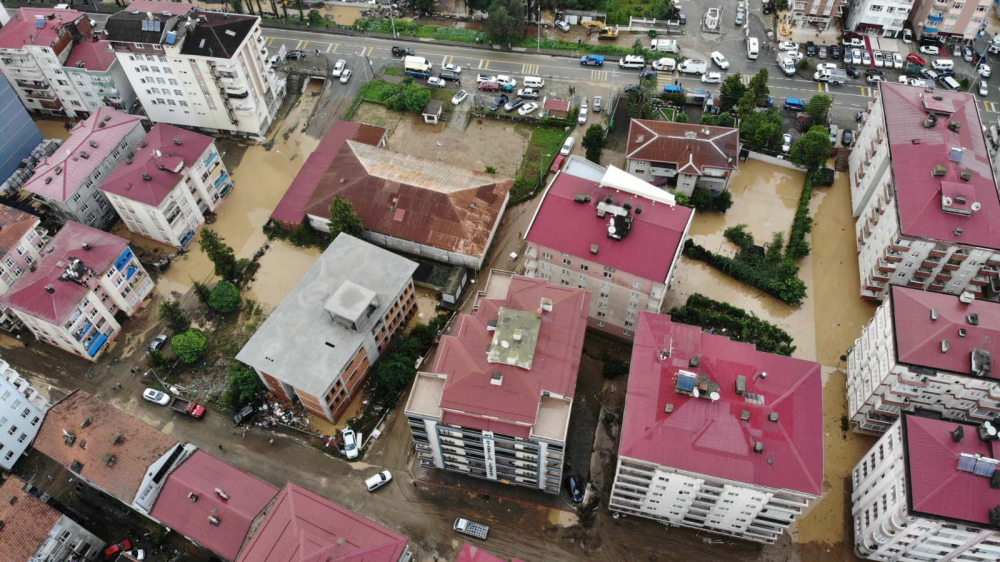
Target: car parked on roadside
(243,415)
(720,60)
(822,52)
(856,56)
(788,46)
(929,74)
(916,59)
(835,52)
(114,551)
(874,76)
(137,554)
(848,138)
(488,86)
(582,117)
(449,75)
(513,104)
(984,70)
(157,343)
(879,59)
(834,133)
(338,68)
(506,81)
(350,443)
(498,102)
(598,105)
(786,143)
(740,18)
(459,97)
(567,146)
(452,68)
(436,82)
(897,61)
(402,52)
(156,397)
(933,50)
(573,487)
(295,54)
(528,93)
(966,54)
(379,480)
(485,78)
(345,77)
(527,109)
(810,49)
(851,70)
(984,89)
(711,78)
(866,57)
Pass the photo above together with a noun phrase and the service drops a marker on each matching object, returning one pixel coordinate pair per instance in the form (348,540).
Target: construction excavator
(603,31)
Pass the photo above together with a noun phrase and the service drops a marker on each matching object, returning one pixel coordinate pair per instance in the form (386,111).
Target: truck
(467,527)
(664,46)
(187,407)
(786,63)
(592,60)
(608,33)
(833,76)
(418,67)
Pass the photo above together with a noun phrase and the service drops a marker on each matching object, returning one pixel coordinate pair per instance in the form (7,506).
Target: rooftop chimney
(85,246)
(222,494)
(496,378)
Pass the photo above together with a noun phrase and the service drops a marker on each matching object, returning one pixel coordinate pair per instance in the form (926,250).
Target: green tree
(491,170)
(344,219)
(478,5)
(758,87)
(237,6)
(219,253)
(425,6)
(593,142)
(965,84)
(761,129)
(817,108)
(225,297)
(639,106)
(244,385)
(614,368)
(681,117)
(408,97)
(638,48)
(190,346)
(175,316)
(315,17)
(731,91)
(505,24)
(813,148)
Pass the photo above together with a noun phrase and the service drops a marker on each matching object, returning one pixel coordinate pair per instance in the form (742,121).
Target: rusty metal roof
(690,147)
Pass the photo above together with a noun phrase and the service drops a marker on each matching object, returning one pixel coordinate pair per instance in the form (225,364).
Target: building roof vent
(741,385)
(118,440)
(773,417)
(546,304)
(995,480)
(695,361)
(48,180)
(930,121)
(69,437)
(100,125)
(142,144)
(962,332)
(967,297)
(945,346)
(955,154)
(222,494)
(966,175)
(987,432)
(50,289)
(972,318)
(193,497)
(995,516)
(758,447)
(146,177)
(213,520)
(980,363)
(934,314)
(85,246)
(939,170)
(957,434)
(955,126)
(496,378)
(93,144)
(110,460)
(745,415)
(84,154)
(76,467)
(958,231)
(593,249)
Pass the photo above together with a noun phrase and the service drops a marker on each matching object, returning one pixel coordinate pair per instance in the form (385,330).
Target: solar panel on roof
(39,23)
(966,462)
(155,25)
(145,25)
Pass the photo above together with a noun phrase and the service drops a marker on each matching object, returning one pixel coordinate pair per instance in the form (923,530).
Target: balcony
(922,273)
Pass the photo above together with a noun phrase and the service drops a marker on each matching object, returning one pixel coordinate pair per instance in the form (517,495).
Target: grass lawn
(666,114)
(393,71)
(543,147)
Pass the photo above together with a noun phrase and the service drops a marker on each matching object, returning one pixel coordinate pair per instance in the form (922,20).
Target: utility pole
(392,20)
(539,48)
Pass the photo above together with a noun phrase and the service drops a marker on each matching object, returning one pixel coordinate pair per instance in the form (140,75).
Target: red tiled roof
(161,149)
(567,226)
(292,207)
(708,437)
(462,356)
(305,527)
(916,150)
(94,55)
(14,224)
(21,30)
(203,474)
(936,486)
(66,170)
(140,447)
(27,522)
(918,338)
(556,105)
(28,294)
(690,147)
(475,554)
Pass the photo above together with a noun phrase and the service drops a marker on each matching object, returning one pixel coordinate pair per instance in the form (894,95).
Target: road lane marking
(746,78)
(481,61)
(298,45)
(370,51)
(989,106)
(599,75)
(270,41)
(336,47)
(305,44)
(486,66)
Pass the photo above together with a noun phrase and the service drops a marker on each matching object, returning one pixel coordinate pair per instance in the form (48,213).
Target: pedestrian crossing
(822,87)
(598,75)
(665,79)
(991,106)
(530,68)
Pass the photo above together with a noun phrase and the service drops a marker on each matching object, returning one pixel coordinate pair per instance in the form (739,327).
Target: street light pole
(539,48)
(392,21)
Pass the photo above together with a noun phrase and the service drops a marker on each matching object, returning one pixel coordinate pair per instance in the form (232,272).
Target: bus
(418,67)
(752,48)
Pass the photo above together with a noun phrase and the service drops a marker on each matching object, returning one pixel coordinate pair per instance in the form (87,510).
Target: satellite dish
(991,430)
(504,344)
(611,229)
(976,206)
(714,396)
(695,393)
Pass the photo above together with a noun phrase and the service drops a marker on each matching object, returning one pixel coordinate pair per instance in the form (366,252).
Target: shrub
(778,280)
(225,297)
(738,235)
(175,316)
(614,368)
(190,346)
(798,247)
(244,385)
(733,322)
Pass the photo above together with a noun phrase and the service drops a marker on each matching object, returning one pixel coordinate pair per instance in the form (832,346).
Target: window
(12,430)
(25,413)
(634,295)
(546,255)
(605,295)
(626,332)
(582,278)
(584,267)
(608,275)
(957,5)
(22,438)
(633,304)
(637,285)
(605,286)
(602,305)
(566,261)
(601,314)
(10,263)
(564,282)
(629,324)
(600,324)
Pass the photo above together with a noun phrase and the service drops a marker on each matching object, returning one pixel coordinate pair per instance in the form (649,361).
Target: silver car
(597,104)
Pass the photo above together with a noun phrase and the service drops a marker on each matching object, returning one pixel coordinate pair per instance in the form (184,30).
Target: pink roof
(21,30)
(916,150)
(91,55)
(918,338)
(475,554)
(690,147)
(128,180)
(567,226)
(936,486)
(28,294)
(67,169)
(708,437)
(304,527)
(462,356)
(202,474)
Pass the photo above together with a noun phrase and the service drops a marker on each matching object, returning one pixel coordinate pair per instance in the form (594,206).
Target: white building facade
(21,412)
(99,78)
(882,17)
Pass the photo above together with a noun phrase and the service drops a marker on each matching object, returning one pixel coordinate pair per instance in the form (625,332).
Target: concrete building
(878,17)
(627,271)
(71,295)
(34,531)
(718,436)
(164,191)
(318,346)
(21,410)
(926,491)
(411,205)
(682,156)
(924,195)
(21,242)
(815,14)
(926,351)
(197,68)
(98,77)
(496,403)
(69,181)
(19,134)
(955,21)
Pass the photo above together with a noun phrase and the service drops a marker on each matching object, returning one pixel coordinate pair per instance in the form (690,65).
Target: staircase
(840,163)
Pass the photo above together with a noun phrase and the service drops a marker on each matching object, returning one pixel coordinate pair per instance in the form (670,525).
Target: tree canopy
(221,255)
(817,108)
(344,219)
(761,129)
(225,297)
(731,91)
(505,24)
(409,97)
(593,142)
(813,149)
(190,346)
(175,316)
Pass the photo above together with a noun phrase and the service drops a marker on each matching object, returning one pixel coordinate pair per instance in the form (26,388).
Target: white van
(533,82)
(632,61)
(664,46)
(949,83)
(666,64)
(693,66)
(943,64)
(753,48)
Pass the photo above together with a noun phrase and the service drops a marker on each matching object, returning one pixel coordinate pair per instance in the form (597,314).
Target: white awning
(621,180)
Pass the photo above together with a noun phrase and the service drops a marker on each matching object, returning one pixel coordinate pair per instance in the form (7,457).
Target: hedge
(781,281)
(797,247)
(733,322)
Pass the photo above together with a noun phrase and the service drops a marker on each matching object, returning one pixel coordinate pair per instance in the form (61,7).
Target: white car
(856,56)
(720,60)
(436,82)
(459,97)
(454,68)
(379,480)
(866,57)
(786,143)
(984,89)
(797,56)
(711,78)
(907,36)
(665,64)
(527,109)
(897,61)
(582,118)
(338,68)
(879,59)
(854,42)
(345,76)
(567,146)
(825,67)
(485,78)
(788,46)
(274,62)
(156,397)
(984,70)
(930,49)
(350,443)
(563,26)
(506,81)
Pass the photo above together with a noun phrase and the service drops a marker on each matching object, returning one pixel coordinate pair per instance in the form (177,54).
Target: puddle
(281,268)
(563,518)
(53,129)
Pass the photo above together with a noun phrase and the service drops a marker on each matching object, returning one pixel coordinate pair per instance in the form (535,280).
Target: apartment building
(927,492)
(19,134)
(496,403)
(69,297)
(69,180)
(625,258)
(924,351)
(197,68)
(34,47)
(33,530)
(878,17)
(815,14)
(682,156)
(21,242)
(164,191)
(21,410)
(98,77)
(955,21)
(318,346)
(924,195)
(718,436)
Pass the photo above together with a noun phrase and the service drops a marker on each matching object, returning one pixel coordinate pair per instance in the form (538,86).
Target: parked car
(956,51)
(350,443)
(854,42)
(452,68)
(567,146)
(647,74)
(966,54)
(557,163)
(720,60)
(295,54)
(156,397)
(562,26)
(856,56)
(879,59)
(459,97)
(112,552)
(574,489)
(711,78)
(506,81)
(138,554)
(930,50)
(528,93)
(874,76)
(897,61)
(907,36)
(485,78)
(379,480)
(984,70)
(788,46)
(582,117)
(449,75)
(810,49)
(243,415)
(274,61)
(402,52)
(631,88)
(851,70)
(741,18)
(666,64)
(598,105)
(835,52)
(786,143)
(498,102)
(834,133)
(345,77)
(984,89)
(929,73)
(866,57)
(157,343)
(338,68)
(513,104)
(436,82)
(916,59)
(822,52)
(527,109)
(848,138)
(488,86)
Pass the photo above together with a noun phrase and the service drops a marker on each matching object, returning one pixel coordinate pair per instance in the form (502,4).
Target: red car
(557,163)
(916,59)
(488,86)
(114,550)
